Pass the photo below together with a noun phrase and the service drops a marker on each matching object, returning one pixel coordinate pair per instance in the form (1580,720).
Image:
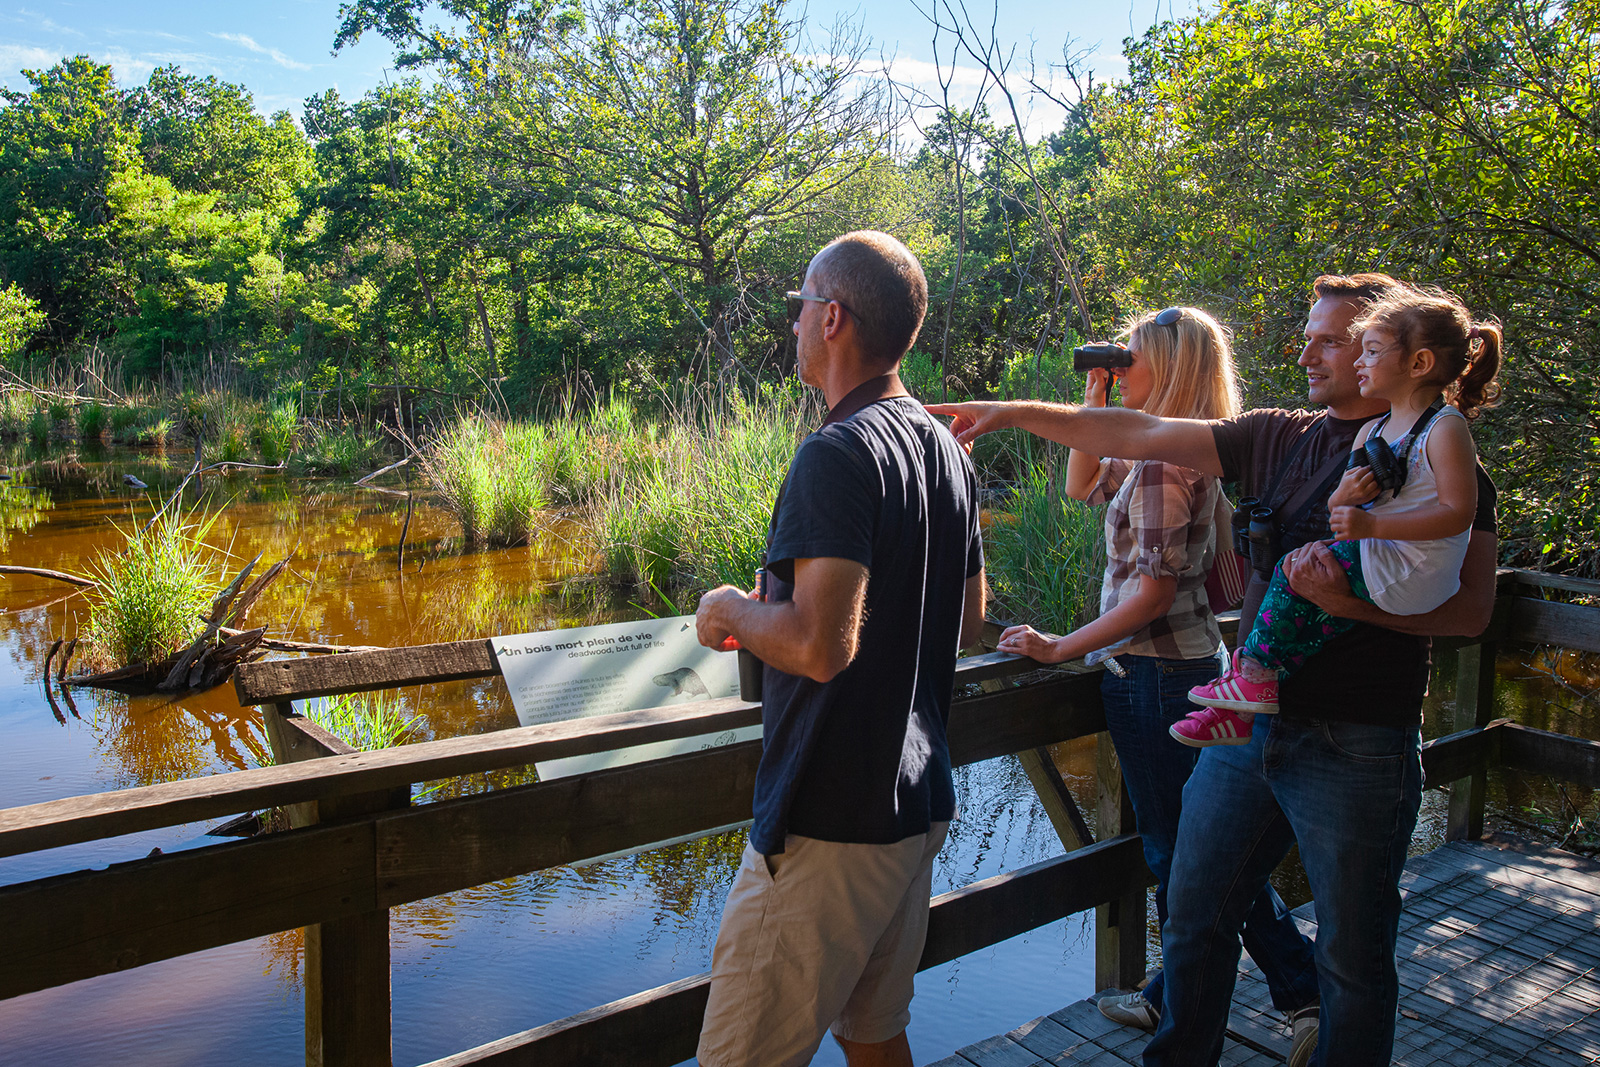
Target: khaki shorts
(822,935)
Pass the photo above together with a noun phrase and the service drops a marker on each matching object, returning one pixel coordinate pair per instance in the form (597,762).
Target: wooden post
(348,1005)
(1474,707)
(1119,932)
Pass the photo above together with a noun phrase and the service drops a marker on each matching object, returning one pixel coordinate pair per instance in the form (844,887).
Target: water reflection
(21,507)
(146,740)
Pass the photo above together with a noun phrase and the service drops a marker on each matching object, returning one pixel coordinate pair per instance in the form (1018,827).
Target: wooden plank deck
(1499,959)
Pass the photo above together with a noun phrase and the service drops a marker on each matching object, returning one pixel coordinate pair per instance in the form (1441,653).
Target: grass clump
(491,476)
(364,721)
(151,595)
(339,449)
(92,421)
(1046,555)
(697,516)
(16,412)
(274,429)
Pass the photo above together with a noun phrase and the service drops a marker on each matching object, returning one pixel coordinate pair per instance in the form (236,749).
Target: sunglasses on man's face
(796,303)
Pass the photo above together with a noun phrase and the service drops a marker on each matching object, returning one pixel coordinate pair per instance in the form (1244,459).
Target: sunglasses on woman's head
(1169,317)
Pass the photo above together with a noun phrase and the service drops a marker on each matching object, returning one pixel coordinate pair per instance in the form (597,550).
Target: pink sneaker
(1211,726)
(1234,692)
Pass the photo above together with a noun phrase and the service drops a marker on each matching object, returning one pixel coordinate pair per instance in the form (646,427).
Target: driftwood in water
(208,660)
(43,572)
(180,671)
(212,666)
(383,470)
(278,644)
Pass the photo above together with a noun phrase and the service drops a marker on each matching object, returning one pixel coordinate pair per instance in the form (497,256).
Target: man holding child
(1338,769)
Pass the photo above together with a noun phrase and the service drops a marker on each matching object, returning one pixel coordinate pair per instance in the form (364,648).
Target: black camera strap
(1401,449)
(1317,487)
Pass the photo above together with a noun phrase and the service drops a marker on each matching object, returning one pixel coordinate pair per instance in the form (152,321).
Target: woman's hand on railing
(1026,641)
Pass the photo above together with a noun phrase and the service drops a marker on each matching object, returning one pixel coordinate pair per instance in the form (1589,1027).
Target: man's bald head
(882,284)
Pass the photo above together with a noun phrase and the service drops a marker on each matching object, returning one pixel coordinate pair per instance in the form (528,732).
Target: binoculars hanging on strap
(1388,469)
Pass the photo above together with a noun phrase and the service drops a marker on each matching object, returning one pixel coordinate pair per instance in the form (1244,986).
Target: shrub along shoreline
(674,503)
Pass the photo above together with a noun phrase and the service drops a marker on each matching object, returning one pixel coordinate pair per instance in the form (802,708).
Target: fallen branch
(219,609)
(384,470)
(280,645)
(19,385)
(227,463)
(59,576)
(248,598)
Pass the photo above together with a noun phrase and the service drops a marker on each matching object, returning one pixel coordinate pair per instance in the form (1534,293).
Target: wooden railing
(359,848)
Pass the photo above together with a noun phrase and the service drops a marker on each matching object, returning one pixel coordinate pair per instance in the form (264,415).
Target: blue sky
(282,51)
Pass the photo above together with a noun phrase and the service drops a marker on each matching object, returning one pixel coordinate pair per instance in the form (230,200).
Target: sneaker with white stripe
(1234,692)
(1212,726)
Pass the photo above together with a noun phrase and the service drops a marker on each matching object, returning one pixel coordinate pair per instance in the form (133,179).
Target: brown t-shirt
(1368,674)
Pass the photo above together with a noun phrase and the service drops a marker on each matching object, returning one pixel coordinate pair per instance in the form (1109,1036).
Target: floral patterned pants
(1290,628)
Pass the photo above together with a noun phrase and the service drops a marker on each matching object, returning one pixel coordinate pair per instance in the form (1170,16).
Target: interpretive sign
(623,666)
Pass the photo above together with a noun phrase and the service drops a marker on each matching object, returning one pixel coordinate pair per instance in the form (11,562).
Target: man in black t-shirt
(1338,770)
(874,582)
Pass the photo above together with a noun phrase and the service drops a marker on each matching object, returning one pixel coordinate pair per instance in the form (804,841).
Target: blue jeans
(1349,795)
(1155,766)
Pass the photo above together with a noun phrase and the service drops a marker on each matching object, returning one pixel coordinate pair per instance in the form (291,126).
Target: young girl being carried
(1401,545)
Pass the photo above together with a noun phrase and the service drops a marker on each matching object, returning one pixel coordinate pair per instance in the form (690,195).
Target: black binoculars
(1107,356)
(1255,535)
(1387,469)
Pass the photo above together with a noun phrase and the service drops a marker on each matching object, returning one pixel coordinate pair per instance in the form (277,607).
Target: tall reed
(490,475)
(1046,554)
(697,517)
(364,721)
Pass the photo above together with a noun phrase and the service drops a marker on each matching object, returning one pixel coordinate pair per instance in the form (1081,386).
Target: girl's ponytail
(1477,388)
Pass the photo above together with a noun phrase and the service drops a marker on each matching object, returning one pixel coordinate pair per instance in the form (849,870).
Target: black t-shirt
(864,758)
(1368,674)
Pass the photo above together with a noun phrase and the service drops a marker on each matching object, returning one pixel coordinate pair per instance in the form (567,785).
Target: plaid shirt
(1160,522)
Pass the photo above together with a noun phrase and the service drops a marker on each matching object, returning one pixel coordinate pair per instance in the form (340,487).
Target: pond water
(476,965)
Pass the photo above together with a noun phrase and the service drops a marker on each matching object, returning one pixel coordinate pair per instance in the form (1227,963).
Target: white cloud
(277,56)
(51,26)
(26,57)
(127,68)
(114,31)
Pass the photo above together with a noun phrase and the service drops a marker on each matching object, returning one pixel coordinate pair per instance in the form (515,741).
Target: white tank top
(1414,577)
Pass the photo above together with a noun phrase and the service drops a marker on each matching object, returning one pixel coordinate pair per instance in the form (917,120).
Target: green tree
(1454,143)
(61,144)
(205,136)
(20,319)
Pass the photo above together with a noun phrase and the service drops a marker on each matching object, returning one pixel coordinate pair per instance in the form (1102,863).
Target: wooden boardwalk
(1499,965)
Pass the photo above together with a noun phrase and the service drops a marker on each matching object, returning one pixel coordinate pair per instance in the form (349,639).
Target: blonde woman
(1155,631)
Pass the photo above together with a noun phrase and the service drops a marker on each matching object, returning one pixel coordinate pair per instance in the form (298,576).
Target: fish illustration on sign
(683,682)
